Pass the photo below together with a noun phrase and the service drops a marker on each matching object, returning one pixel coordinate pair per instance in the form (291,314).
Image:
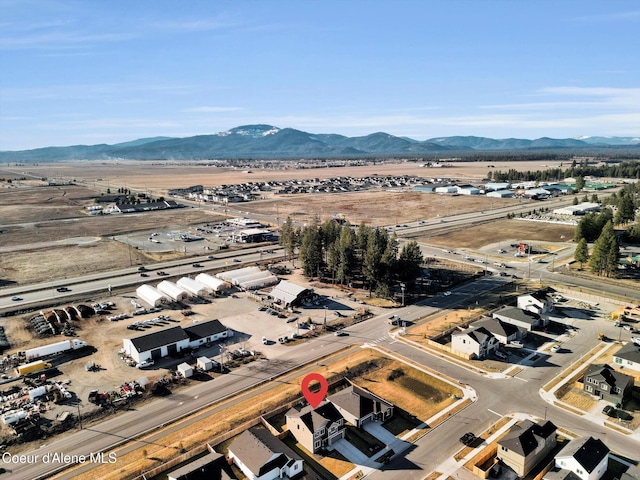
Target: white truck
(53,348)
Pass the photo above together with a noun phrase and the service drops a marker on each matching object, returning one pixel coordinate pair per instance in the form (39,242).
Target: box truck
(32,367)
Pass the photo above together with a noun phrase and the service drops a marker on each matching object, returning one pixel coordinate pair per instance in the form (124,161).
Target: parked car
(341,333)
(555,348)
(265,341)
(447,293)
(468,439)
(145,364)
(609,411)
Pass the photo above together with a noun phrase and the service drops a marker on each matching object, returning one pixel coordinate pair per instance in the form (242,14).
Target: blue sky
(88,72)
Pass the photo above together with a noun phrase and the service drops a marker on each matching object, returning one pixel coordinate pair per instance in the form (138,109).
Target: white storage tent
(192,286)
(215,284)
(249,278)
(231,275)
(150,295)
(171,290)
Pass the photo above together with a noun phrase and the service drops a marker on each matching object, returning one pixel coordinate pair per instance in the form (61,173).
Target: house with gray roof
(628,356)
(601,380)
(262,456)
(581,459)
(359,406)
(212,466)
(525,320)
(539,302)
(474,342)
(504,332)
(316,428)
(525,444)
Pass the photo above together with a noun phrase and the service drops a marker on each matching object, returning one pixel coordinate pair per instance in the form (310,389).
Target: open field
(376,207)
(162,175)
(481,235)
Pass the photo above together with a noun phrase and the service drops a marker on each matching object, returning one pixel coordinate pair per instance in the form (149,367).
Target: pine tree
(604,257)
(582,252)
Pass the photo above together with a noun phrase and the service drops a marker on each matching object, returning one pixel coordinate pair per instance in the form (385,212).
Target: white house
(539,302)
(477,341)
(262,456)
(586,458)
(628,356)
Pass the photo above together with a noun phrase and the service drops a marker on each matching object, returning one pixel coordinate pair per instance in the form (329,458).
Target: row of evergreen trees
(618,170)
(365,254)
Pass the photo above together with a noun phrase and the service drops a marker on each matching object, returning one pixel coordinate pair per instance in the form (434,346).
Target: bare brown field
(374,208)
(163,175)
(481,235)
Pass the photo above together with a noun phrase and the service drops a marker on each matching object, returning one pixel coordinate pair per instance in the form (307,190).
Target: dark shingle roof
(315,419)
(357,401)
(260,451)
(630,352)
(519,314)
(158,339)
(210,467)
(588,452)
(523,437)
(496,326)
(605,373)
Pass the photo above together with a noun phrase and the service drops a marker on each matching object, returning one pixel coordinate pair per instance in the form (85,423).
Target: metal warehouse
(172,340)
(287,293)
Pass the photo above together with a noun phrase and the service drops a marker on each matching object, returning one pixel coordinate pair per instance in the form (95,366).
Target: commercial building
(172,340)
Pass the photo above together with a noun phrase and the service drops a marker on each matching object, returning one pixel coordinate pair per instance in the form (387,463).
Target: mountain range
(267,141)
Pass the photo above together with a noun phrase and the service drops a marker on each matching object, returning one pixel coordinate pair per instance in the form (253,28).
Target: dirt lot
(519,230)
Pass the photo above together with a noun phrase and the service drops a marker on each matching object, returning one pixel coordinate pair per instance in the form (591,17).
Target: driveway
(377,430)
(350,452)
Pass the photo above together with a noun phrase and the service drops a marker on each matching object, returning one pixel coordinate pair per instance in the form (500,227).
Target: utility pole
(325,319)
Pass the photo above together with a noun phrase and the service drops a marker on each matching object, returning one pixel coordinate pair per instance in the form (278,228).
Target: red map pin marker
(314,398)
